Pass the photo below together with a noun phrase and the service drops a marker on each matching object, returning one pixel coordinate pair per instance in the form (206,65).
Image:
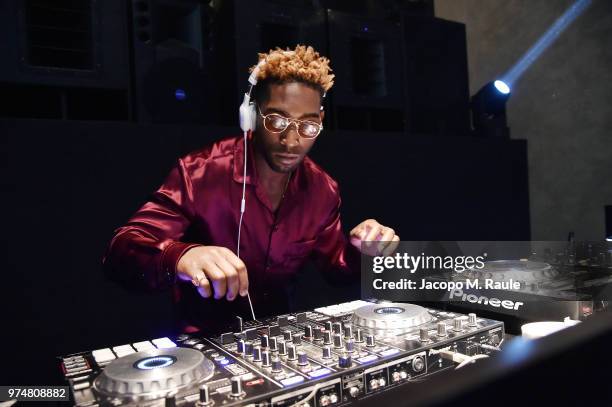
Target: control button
(418,364)
(265,358)
(345,361)
(324,400)
(472,319)
(441,329)
(458,324)
(337,341)
(248,349)
(327,337)
(282,348)
(337,328)
(273,344)
(424,335)
(374,384)
(327,352)
(297,339)
(265,342)
(300,318)
(328,326)
(144,345)
(333,398)
(302,359)
(288,336)
(170,400)
(276,365)
(350,345)
(204,396)
(354,391)
(318,333)
(370,341)
(123,350)
(103,355)
(308,332)
(163,343)
(291,353)
(348,332)
(359,336)
(382,382)
(256,354)
(240,346)
(236,387)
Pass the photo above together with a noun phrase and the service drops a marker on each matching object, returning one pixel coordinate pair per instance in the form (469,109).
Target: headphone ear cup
(247,115)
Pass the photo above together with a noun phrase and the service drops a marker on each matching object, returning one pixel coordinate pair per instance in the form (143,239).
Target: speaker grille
(59,34)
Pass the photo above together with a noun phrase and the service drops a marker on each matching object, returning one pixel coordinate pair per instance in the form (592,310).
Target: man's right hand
(215,268)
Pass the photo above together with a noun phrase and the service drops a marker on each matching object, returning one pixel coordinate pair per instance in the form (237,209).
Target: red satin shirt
(199,204)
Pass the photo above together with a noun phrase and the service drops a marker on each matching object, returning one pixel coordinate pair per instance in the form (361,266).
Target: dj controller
(330,356)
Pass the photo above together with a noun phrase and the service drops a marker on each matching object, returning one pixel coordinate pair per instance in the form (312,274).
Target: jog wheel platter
(153,374)
(393,316)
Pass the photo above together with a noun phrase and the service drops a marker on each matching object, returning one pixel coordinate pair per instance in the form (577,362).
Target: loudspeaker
(241,32)
(366,53)
(437,81)
(170,60)
(64,59)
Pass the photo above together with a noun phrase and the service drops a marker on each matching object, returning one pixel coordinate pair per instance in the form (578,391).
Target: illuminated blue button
(389,352)
(224,362)
(319,372)
(292,380)
(367,359)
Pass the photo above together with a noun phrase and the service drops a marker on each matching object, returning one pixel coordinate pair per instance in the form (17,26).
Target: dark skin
(277,155)
(217,271)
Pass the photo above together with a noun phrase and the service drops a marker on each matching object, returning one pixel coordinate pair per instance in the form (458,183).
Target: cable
(242,208)
(307,398)
(471,359)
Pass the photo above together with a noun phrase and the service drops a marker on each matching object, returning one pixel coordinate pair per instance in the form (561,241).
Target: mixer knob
(370,340)
(348,331)
(327,352)
(328,326)
(472,319)
(344,361)
(276,365)
(441,329)
(297,339)
(236,387)
(327,337)
(248,348)
(350,346)
(424,335)
(265,358)
(308,331)
(359,336)
(240,346)
(273,344)
(302,359)
(265,341)
(288,336)
(458,324)
(256,354)
(204,396)
(291,353)
(337,328)
(337,341)
(282,348)
(318,333)
(354,391)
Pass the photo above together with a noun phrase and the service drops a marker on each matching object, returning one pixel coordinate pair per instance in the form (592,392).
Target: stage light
(502,87)
(489,110)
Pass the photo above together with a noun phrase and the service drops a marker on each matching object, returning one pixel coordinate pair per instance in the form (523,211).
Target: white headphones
(247,113)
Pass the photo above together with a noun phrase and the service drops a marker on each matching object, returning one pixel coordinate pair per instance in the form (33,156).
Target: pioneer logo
(475,299)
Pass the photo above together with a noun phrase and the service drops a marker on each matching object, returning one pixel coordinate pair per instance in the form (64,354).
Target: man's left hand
(376,238)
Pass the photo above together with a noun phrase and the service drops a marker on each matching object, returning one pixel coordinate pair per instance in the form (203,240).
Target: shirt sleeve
(333,251)
(145,252)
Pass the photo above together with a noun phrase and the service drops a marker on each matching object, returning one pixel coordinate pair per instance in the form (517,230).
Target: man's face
(284,151)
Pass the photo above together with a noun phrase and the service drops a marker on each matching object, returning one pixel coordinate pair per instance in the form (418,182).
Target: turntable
(390,315)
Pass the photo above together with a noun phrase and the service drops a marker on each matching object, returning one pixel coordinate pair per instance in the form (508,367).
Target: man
(186,235)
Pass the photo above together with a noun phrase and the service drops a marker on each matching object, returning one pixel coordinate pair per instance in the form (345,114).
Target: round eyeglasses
(275,123)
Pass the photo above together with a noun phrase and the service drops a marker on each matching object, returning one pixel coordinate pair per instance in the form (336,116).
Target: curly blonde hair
(303,64)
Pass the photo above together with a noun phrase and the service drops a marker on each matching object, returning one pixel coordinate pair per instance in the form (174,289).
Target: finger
(387,237)
(217,279)
(204,289)
(392,246)
(373,233)
(240,267)
(231,277)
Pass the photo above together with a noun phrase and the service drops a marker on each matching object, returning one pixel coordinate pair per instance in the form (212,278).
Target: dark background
(87,135)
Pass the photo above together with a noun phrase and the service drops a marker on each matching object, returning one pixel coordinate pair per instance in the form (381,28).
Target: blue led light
(155,362)
(180,94)
(502,87)
(609,239)
(319,372)
(224,362)
(292,380)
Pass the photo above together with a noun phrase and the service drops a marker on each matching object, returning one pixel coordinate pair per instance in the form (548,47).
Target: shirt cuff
(170,258)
